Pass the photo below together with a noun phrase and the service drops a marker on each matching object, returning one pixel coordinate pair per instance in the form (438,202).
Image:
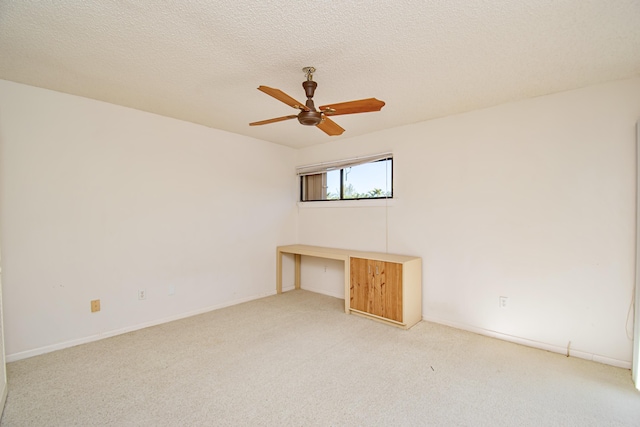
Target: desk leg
(278,272)
(297,271)
(347,284)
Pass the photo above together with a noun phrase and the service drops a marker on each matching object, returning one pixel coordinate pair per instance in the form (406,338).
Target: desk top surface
(343,254)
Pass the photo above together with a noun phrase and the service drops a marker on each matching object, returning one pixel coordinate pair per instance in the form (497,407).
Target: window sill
(362,203)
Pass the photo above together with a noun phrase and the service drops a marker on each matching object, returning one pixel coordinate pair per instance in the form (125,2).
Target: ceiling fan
(309,115)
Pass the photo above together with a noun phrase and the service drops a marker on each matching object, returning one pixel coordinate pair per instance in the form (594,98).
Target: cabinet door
(376,288)
(389,286)
(361,284)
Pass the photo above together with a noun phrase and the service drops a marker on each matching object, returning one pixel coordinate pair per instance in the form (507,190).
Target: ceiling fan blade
(277,119)
(353,107)
(283,97)
(329,127)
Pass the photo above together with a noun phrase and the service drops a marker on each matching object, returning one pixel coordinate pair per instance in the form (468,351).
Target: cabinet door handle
(377,270)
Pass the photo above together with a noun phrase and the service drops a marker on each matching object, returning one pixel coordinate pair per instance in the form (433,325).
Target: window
(368,177)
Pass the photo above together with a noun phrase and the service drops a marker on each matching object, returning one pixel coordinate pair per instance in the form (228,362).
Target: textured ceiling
(202,60)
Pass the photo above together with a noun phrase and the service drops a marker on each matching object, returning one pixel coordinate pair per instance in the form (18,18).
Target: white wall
(99,201)
(533,200)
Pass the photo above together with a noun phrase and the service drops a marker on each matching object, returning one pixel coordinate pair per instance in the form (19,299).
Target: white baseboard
(323,292)
(535,344)
(316,290)
(72,343)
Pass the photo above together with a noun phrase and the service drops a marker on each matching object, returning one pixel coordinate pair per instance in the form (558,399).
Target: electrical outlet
(502,302)
(172,290)
(95,305)
(142,294)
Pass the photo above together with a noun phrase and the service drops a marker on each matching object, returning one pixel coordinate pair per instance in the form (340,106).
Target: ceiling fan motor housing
(310,118)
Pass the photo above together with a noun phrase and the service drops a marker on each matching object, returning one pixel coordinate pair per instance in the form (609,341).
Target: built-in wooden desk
(381,286)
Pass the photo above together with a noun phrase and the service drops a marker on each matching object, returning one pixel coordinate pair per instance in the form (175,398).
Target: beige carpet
(297,360)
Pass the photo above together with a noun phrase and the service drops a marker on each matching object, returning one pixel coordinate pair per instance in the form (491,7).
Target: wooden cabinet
(386,290)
